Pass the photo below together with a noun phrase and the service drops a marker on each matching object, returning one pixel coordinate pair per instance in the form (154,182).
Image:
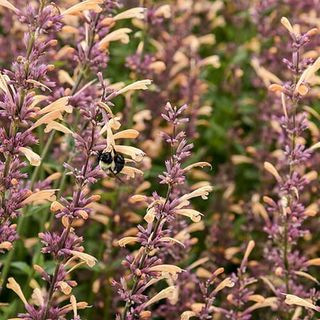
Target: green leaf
(21,266)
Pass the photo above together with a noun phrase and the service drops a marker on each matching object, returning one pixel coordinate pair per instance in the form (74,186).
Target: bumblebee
(112,161)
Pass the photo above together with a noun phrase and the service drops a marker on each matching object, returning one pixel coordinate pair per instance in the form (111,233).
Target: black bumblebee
(112,161)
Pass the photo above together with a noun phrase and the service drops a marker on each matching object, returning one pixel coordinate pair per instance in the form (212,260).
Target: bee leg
(116,177)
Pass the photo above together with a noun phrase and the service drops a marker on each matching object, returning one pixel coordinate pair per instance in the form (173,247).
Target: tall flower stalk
(289,212)
(146,267)
(19,104)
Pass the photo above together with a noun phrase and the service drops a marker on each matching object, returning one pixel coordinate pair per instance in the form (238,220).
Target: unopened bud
(312,32)
(5,245)
(14,181)
(279,271)
(50,67)
(95,197)
(53,42)
(145,315)
(275,88)
(83,214)
(230,298)
(65,221)
(138,273)
(38,269)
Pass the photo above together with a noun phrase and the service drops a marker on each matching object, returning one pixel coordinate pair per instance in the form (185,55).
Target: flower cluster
(19,109)
(293,175)
(146,268)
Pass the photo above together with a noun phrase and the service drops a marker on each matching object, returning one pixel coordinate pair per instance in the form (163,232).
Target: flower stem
(145,253)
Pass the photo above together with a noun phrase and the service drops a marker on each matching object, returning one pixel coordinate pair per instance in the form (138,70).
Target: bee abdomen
(118,163)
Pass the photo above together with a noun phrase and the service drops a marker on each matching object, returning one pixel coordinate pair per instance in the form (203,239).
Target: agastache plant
(28,73)
(88,54)
(146,268)
(289,211)
(19,106)
(243,301)
(64,246)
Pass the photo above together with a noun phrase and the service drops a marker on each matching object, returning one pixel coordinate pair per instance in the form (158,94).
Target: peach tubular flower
(248,251)
(194,215)
(32,157)
(53,125)
(70,307)
(164,269)
(47,118)
(40,196)
(64,76)
(225,283)
(214,61)
(15,287)
(38,84)
(270,302)
(271,169)
(8,5)
(135,153)
(4,83)
(106,108)
(313,262)
(294,300)
(84,5)
(137,13)
(138,85)
(56,206)
(163,11)
(171,240)
(126,240)
(186,315)
(150,215)
(60,104)
(37,297)
(202,192)
(117,35)
(198,164)
(131,172)
(87,258)
(306,76)
(5,245)
(286,23)
(166,293)
(64,287)
(157,66)
(126,134)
